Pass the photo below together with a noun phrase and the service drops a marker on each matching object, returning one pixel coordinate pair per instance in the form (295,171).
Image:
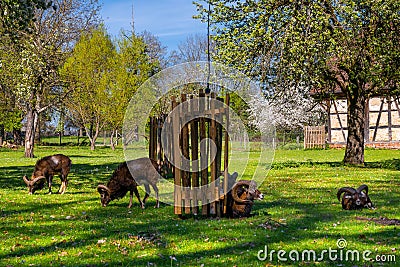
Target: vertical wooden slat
(158,140)
(203,152)
(213,134)
(218,140)
(177,173)
(170,144)
(226,151)
(151,138)
(194,141)
(185,153)
(219,117)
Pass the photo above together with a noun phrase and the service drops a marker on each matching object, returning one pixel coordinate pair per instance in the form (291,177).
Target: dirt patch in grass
(381,220)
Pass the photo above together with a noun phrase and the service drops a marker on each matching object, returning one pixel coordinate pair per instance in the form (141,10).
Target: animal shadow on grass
(80,177)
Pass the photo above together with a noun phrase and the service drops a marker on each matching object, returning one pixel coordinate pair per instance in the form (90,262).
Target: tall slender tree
(135,62)
(38,54)
(87,72)
(348,45)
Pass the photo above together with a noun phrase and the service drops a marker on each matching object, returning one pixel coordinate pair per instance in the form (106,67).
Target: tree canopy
(102,76)
(327,46)
(16,15)
(30,62)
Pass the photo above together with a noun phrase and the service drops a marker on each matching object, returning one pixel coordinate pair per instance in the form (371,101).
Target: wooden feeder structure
(199,136)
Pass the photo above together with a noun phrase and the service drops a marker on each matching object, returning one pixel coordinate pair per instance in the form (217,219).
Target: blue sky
(170,20)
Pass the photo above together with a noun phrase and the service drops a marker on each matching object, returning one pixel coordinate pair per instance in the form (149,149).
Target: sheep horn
(102,187)
(252,187)
(26,180)
(34,181)
(363,187)
(235,197)
(345,189)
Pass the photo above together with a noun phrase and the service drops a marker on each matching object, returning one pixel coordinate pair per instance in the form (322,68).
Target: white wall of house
(382,123)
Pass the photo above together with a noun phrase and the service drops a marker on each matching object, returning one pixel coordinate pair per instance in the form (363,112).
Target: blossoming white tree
(288,110)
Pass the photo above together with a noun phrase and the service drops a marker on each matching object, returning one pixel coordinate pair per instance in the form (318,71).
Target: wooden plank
(213,151)
(177,173)
(170,144)
(226,152)
(219,117)
(151,138)
(185,153)
(158,140)
(203,153)
(194,141)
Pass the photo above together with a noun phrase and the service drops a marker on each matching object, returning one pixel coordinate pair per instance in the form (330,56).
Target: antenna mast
(133,20)
(208,90)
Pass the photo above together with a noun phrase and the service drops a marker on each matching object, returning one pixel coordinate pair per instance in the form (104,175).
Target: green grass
(300,211)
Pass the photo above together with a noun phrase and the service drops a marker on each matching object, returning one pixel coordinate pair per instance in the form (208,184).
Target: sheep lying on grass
(355,198)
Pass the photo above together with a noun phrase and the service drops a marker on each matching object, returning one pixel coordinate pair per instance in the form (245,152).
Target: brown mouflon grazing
(354,199)
(127,177)
(45,169)
(241,198)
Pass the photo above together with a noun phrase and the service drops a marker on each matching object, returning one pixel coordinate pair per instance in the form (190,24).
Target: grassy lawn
(300,212)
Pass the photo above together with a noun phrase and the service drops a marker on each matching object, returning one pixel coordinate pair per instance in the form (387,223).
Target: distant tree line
(58,62)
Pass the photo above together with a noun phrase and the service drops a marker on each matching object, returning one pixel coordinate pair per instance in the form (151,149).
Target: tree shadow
(389,164)
(158,226)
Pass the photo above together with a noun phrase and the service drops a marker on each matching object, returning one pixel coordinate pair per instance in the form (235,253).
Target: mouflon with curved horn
(241,199)
(355,198)
(45,169)
(127,177)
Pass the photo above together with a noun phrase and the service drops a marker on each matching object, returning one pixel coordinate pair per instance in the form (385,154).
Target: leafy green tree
(87,72)
(10,115)
(16,15)
(133,65)
(349,46)
(32,62)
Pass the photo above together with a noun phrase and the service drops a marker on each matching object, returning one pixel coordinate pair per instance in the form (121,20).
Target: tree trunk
(92,134)
(37,130)
(354,154)
(1,134)
(31,124)
(112,140)
(92,144)
(17,136)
